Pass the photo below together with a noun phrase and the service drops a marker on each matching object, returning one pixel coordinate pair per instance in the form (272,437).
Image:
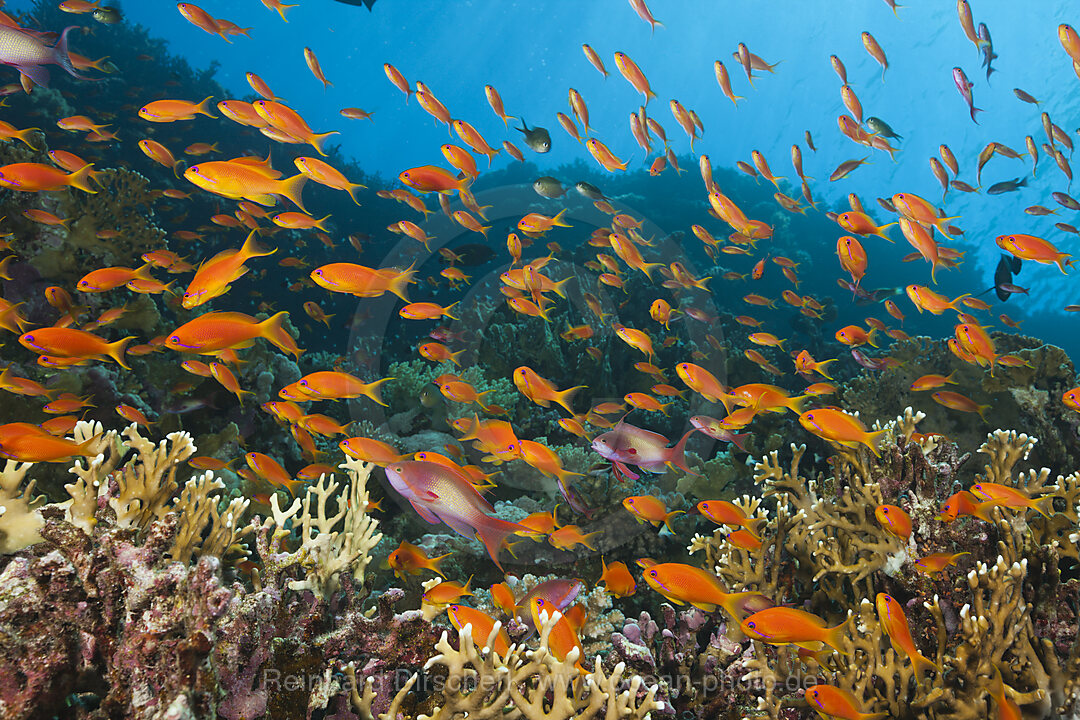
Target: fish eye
(175,339)
(29,338)
(653,573)
(885,511)
(751,625)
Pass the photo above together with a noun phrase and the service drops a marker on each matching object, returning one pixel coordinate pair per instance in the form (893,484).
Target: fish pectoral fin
(425,513)
(705,607)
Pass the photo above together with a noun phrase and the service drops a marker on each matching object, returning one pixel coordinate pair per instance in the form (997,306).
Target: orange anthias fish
(246,181)
(617,579)
(215,276)
(894,520)
(895,624)
(835,425)
(543,392)
(836,702)
(74,343)
(482,625)
(723,512)
(35,177)
(562,638)
(213,332)
(647,508)
(936,562)
(687,584)
(1029,247)
(408,559)
(29,443)
(791,626)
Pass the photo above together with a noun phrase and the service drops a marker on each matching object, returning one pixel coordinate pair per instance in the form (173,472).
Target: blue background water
(531,52)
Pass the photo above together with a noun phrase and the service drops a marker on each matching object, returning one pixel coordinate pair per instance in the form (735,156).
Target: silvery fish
(882,128)
(27,54)
(548,187)
(964,86)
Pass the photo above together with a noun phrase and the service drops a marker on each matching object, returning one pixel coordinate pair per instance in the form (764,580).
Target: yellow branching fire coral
(821,542)
(530,684)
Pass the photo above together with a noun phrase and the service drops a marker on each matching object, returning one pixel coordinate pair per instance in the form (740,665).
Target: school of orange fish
(438,487)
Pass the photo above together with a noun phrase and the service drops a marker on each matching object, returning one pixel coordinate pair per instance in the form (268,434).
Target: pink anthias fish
(711,426)
(27,52)
(442,494)
(558,593)
(964,86)
(627,445)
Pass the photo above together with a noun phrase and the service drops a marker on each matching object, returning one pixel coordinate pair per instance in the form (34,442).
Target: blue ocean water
(531,52)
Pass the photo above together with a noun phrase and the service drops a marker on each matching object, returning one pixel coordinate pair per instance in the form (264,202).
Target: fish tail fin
(493,533)
(565,397)
(557,221)
(62,56)
(821,368)
(373,389)
(649,95)
(667,519)
(753,525)
(873,441)
(292,189)
(1044,506)
(560,287)
(273,329)
(317,140)
(351,188)
(251,249)
(116,351)
(81,179)
(319,223)
(400,285)
(23,134)
(921,663)
(797,404)
(203,108)
(677,455)
(973,111)
(870,337)
(836,637)
(282,9)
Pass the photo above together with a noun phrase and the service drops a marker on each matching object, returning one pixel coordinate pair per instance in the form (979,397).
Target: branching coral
(526,683)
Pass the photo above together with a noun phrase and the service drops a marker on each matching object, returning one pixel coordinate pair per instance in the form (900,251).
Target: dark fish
(887,203)
(1066,227)
(536,138)
(589,190)
(1065,200)
(989,55)
(1013,289)
(108,15)
(358,3)
(474,254)
(548,187)
(1007,266)
(882,128)
(1007,186)
(962,186)
(1025,96)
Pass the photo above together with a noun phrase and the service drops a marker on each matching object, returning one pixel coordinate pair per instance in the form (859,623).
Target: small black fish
(1007,186)
(1007,266)
(538,139)
(358,3)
